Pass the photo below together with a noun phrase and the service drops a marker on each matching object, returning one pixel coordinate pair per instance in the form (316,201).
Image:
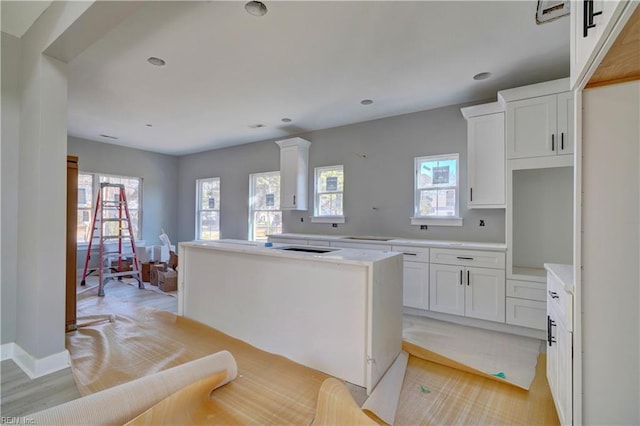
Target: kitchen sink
(368,238)
(307,249)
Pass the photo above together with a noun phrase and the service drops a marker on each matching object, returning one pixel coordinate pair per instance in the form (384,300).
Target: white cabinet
(415,285)
(560,339)
(485,155)
(540,126)
(587,43)
(415,282)
(459,286)
(526,304)
(294,168)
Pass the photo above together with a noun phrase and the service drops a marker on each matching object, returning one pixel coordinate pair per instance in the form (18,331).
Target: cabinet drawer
(482,259)
(530,290)
(318,243)
(526,313)
(365,246)
(560,301)
(413,254)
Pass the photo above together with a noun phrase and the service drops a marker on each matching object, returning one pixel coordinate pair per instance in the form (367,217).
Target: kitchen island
(336,310)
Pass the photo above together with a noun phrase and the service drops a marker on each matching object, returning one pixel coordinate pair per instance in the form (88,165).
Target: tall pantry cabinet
(605,75)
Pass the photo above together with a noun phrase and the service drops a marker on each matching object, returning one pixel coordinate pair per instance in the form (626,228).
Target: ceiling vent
(550,10)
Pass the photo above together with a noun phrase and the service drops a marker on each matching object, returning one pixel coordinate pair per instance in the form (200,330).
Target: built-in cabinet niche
(540,221)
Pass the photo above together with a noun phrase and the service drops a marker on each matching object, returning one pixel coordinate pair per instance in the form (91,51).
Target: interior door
(72,212)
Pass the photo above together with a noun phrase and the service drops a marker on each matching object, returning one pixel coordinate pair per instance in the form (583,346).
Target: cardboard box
(145,272)
(125,265)
(154,269)
(168,281)
(173,260)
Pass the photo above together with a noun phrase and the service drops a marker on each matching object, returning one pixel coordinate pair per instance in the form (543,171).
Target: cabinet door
(565,377)
(415,288)
(565,123)
(552,356)
(531,126)
(288,177)
(485,294)
(446,289)
(486,161)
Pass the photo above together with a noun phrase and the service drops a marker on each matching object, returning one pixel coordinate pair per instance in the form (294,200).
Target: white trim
(34,367)
(327,219)
(483,109)
(6,351)
(534,90)
(437,221)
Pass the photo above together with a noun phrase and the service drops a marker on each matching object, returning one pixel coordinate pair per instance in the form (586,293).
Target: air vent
(550,10)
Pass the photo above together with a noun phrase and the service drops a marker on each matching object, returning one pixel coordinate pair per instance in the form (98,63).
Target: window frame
(417,219)
(216,208)
(252,178)
(95,187)
(317,217)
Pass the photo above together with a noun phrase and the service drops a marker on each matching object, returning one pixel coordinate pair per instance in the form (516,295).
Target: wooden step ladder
(112,221)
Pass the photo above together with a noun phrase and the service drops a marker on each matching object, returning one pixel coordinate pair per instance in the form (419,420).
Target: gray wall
(378,165)
(10,158)
(159,175)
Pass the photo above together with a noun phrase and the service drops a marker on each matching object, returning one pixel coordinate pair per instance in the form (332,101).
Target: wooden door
(72,212)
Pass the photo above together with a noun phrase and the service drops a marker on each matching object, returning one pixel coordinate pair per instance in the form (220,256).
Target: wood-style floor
(432,393)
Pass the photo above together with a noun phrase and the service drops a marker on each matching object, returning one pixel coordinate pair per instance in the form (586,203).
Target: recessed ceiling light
(256,126)
(286,120)
(108,136)
(482,76)
(255,8)
(158,62)
(366,102)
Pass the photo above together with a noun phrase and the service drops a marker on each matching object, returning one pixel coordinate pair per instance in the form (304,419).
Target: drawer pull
(460,276)
(464,258)
(553,295)
(410,254)
(468,278)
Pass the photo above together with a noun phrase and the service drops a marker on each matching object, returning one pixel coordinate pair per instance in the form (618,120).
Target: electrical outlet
(334,225)
(423,227)
(302,219)
(481,222)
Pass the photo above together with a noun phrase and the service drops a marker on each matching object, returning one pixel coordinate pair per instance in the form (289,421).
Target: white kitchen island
(339,311)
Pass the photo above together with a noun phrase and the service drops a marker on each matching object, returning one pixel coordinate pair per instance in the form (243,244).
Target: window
(88,187)
(208,209)
(436,191)
(265,216)
(329,187)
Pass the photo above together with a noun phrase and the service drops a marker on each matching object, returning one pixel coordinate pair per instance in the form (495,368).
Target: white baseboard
(35,367)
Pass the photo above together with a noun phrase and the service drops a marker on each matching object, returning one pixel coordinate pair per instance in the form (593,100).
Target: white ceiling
(18,16)
(312,62)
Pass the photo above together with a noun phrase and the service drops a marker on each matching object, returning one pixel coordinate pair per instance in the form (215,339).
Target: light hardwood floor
(432,394)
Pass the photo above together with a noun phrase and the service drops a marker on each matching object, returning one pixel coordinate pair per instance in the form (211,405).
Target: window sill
(327,219)
(437,221)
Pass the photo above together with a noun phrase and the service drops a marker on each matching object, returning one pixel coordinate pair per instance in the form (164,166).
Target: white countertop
(564,274)
(340,255)
(400,241)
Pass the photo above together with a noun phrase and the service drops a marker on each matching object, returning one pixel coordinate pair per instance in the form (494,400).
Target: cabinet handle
(294,200)
(553,295)
(587,17)
(471,191)
(464,258)
(410,254)
(550,323)
(553,142)
(562,141)
(468,278)
(460,276)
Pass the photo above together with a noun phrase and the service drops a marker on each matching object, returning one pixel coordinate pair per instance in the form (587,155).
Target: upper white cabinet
(485,155)
(294,168)
(591,23)
(540,126)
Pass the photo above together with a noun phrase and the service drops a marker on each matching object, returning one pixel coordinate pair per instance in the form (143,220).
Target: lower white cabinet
(415,285)
(467,290)
(526,304)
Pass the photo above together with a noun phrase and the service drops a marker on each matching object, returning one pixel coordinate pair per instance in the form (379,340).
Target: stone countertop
(399,241)
(335,254)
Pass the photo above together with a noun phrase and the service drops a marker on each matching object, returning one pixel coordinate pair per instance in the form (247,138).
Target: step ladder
(112,222)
